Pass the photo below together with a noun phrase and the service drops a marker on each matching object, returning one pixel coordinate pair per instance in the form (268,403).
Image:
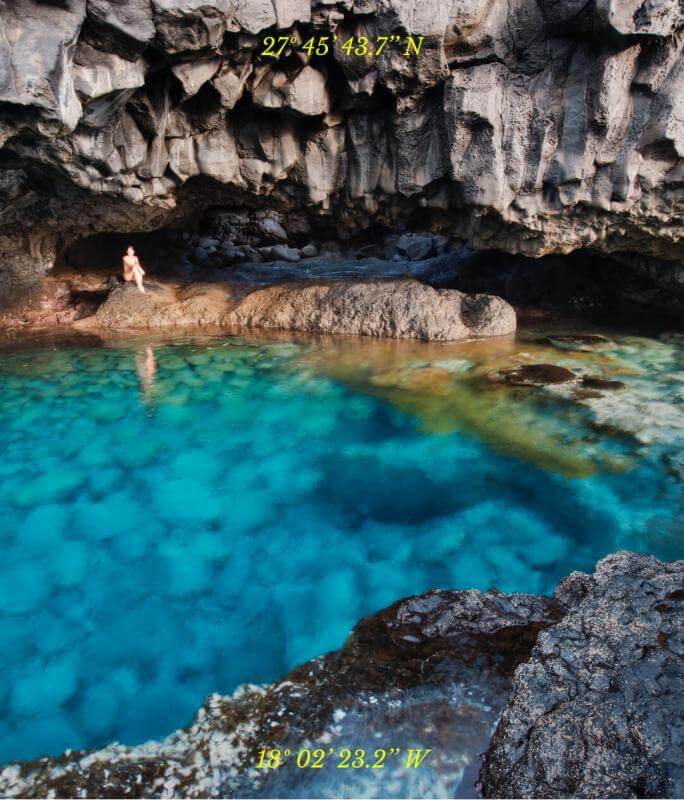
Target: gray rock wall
(531,127)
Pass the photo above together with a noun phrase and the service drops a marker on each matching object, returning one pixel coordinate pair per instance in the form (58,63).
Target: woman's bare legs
(138,275)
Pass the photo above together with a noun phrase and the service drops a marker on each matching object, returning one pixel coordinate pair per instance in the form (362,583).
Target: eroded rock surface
(434,669)
(399,309)
(532,127)
(589,683)
(596,712)
(393,309)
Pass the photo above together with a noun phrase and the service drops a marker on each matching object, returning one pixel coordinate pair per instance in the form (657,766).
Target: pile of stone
(235,237)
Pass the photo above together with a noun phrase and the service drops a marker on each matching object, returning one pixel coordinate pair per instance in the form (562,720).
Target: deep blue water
(219,511)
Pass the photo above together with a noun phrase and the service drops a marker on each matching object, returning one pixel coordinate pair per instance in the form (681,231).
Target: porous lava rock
(597,711)
(403,309)
(531,127)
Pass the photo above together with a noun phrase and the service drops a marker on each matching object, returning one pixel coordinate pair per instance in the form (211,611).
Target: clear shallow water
(178,523)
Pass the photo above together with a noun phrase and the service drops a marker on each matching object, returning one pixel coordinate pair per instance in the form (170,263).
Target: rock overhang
(535,129)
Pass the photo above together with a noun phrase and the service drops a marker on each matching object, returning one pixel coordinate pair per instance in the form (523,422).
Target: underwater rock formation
(534,375)
(584,684)
(530,127)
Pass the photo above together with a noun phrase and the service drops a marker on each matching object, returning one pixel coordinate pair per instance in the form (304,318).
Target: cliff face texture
(531,126)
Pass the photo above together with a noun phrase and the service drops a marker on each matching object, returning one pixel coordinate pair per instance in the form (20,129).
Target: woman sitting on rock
(132,269)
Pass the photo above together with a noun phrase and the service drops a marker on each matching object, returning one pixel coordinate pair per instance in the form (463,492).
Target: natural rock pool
(180,516)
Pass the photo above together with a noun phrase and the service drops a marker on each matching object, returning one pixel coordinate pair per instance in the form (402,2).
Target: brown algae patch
(445,387)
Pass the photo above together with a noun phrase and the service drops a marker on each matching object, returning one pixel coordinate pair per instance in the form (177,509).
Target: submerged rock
(598,382)
(593,674)
(585,342)
(534,375)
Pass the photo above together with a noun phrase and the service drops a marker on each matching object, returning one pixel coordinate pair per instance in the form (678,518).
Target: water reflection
(146,366)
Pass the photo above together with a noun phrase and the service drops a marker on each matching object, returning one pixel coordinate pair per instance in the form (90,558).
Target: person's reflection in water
(146,366)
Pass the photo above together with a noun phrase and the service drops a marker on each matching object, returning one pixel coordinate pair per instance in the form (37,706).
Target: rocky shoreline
(398,281)
(576,695)
(403,309)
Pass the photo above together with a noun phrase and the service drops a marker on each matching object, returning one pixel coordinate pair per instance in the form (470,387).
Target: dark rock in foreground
(434,669)
(597,710)
(588,682)
(598,382)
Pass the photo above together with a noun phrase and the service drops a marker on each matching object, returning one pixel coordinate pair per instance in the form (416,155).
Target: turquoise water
(178,520)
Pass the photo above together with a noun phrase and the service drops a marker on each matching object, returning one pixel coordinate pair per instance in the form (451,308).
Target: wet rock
(434,666)
(415,246)
(331,250)
(598,382)
(272,228)
(582,342)
(394,309)
(596,711)
(228,250)
(534,375)
(284,253)
(209,242)
(587,394)
(247,253)
(585,684)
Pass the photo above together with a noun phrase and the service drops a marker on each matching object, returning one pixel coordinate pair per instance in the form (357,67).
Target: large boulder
(597,710)
(403,309)
(162,305)
(393,309)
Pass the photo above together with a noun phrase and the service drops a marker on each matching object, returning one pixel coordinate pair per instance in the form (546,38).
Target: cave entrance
(100,254)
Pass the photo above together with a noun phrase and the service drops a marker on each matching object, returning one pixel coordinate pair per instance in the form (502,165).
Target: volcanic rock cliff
(530,126)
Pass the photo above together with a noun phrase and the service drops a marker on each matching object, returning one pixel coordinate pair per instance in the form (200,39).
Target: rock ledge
(589,683)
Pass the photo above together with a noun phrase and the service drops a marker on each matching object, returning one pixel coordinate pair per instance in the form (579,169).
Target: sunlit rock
(395,309)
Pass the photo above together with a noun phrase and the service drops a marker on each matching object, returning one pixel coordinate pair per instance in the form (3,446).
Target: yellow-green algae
(445,387)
